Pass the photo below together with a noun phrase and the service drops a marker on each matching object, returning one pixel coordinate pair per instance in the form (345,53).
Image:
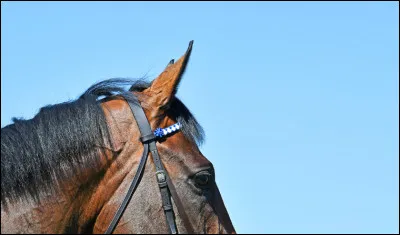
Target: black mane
(65,138)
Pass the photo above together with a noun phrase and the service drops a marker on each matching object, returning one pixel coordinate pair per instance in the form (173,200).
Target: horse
(69,169)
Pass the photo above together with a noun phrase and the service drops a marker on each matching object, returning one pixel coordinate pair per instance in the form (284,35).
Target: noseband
(167,189)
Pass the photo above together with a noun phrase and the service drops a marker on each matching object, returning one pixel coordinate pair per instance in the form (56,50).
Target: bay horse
(82,167)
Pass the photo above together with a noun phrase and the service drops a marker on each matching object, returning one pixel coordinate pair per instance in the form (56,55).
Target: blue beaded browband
(162,132)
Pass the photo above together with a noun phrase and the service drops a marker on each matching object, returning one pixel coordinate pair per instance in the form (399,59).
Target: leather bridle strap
(179,206)
(130,192)
(149,142)
(162,184)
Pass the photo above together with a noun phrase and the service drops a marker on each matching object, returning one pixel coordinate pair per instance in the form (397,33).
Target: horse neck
(79,200)
(118,161)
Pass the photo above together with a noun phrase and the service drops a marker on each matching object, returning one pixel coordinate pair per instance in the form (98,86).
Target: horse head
(68,170)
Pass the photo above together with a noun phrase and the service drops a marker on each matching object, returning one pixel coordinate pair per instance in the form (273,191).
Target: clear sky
(299,100)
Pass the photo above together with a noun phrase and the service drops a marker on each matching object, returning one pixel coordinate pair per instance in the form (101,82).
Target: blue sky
(299,100)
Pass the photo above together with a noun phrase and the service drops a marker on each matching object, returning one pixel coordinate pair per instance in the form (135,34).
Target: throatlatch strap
(131,190)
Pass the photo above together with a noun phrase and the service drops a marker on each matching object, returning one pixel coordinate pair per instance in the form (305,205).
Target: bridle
(167,189)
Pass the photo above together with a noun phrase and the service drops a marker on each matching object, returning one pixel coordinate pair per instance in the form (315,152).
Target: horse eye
(202,179)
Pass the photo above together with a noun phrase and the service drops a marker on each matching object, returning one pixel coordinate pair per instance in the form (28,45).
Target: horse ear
(170,63)
(164,87)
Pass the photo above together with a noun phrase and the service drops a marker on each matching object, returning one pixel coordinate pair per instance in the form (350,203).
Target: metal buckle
(161,178)
(167,207)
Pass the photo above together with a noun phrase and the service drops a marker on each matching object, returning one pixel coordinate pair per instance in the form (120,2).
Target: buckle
(167,207)
(161,178)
